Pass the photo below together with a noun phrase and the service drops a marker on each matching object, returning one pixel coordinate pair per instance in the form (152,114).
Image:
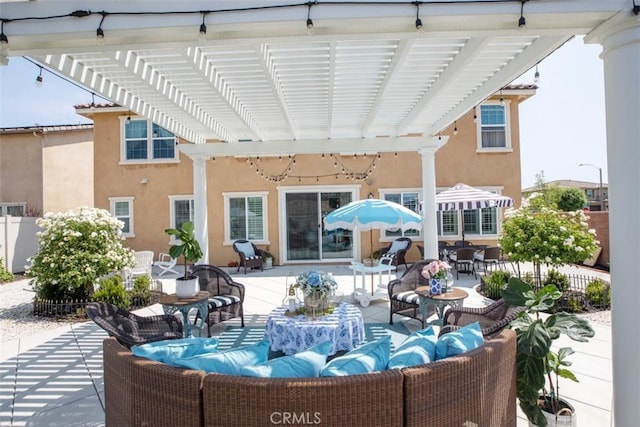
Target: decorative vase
(187,288)
(435,286)
(313,303)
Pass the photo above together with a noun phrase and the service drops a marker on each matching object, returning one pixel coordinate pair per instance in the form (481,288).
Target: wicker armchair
(402,297)
(248,258)
(227,296)
(131,329)
(397,251)
(492,318)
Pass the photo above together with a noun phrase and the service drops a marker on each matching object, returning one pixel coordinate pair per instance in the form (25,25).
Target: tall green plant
(76,248)
(188,245)
(538,367)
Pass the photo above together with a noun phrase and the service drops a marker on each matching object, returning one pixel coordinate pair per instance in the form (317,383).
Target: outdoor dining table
(344,329)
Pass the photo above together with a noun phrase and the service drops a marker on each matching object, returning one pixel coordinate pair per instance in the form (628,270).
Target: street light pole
(601,195)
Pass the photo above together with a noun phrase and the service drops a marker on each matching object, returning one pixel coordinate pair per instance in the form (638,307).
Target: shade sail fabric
(465,197)
(371,214)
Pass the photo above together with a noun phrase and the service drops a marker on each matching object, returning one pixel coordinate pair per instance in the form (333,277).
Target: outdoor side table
(361,294)
(452,298)
(171,303)
(344,329)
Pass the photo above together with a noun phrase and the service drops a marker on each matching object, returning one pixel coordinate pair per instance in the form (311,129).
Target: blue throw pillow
(457,342)
(230,361)
(370,357)
(306,364)
(168,351)
(418,348)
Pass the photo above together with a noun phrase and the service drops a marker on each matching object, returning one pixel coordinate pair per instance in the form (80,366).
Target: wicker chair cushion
(457,342)
(417,349)
(370,357)
(169,351)
(306,364)
(397,246)
(408,296)
(228,362)
(247,249)
(223,300)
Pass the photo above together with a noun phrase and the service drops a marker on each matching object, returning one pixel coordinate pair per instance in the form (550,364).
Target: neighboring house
(279,201)
(45,169)
(597,198)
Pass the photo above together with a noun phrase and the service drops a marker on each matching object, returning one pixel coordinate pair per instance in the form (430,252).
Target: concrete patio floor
(54,378)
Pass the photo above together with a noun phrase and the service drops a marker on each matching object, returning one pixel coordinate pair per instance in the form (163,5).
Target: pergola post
(200,204)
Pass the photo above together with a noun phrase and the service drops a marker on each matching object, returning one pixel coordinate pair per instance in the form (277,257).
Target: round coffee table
(200,301)
(453,298)
(344,329)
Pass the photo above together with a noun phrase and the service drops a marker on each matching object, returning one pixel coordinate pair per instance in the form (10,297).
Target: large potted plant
(186,245)
(538,366)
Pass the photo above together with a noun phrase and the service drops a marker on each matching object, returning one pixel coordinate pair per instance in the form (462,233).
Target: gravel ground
(16,308)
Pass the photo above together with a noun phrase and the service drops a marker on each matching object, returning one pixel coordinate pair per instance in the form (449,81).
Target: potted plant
(186,245)
(538,366)
(268,259)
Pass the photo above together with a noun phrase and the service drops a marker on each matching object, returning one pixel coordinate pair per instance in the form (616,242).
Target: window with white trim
(13,209)
(145,141)
(122,209)
(245,216)
(181,209)
(493,126)
(409,199)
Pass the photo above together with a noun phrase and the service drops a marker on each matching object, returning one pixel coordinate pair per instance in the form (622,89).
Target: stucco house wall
(151,184)
(50,168)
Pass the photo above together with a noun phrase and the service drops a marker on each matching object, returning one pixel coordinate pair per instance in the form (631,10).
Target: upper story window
(493,127)
(245,216)
(13,209)
(410,200)
(145,141)
(122,208)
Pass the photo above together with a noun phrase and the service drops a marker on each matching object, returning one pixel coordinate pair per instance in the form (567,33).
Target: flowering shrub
(547,236)
(435,270)
(76,248)
(314,282)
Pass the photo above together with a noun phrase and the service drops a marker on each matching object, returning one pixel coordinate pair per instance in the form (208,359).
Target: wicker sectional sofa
(473,389)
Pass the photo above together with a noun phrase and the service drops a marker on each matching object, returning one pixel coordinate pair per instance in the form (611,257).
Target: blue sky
(561,126)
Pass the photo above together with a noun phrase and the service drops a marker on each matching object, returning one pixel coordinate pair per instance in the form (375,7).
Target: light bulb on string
(39,79)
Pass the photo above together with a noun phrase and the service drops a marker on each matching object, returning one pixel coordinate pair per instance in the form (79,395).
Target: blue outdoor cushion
(246,248)
(370,357)
(168,351)
(230,361)
(417,349)
(457,342)
(305,364)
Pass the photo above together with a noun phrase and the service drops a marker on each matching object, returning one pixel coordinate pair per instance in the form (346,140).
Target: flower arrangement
(76,249)
(435,270)
(316,282)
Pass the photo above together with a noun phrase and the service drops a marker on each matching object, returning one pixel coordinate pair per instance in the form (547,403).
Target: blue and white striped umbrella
(368,214)
(462,196)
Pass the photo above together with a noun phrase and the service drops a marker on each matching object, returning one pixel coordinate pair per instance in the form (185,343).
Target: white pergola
(364,80)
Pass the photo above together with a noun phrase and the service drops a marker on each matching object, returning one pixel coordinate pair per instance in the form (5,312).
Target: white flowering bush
(547,236)
(76,248)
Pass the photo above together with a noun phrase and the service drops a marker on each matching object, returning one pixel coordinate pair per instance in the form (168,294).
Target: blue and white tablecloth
(344,329)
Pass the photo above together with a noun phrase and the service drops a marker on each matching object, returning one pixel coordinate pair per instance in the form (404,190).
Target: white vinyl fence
(18,241)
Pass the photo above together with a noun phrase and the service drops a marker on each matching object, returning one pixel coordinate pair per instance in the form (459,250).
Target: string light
(129,117)
(418,20)
(203,28)
(39,79)
(99,31)
(501,98)
(93,102)
(309,20)
(522,22)
(536,76)
(455,128)
(4,40)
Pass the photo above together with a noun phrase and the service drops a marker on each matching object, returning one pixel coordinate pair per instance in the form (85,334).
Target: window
(144,141)
(122,208)
(245,216)
(410,200)
(589,193)
(493,127)
(181,210)
(13,209)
